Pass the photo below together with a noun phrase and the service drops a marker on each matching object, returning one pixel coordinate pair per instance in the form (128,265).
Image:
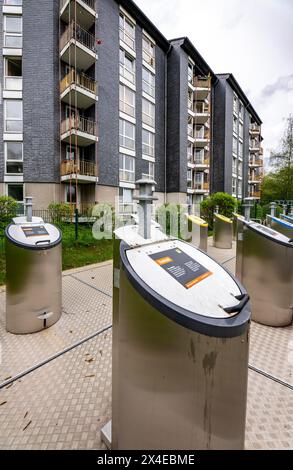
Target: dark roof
(236,87)
(145,23)
(189,48)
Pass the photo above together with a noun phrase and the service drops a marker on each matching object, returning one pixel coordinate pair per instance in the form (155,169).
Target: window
(235,124)
(15,191)
(234,185)
(126,134)
(199,156)
(148,143)
(70,193)
(189,152)
(241,130)
(239,189)
(13,74)
(71,152)
(190,72)
(126,168)
(199,177)
(12,31)
(13,2)
(235,145)
(148,51)
(127,66)
(14,157)
(127,31)
(200,132)
(126,200)
(126,100)
(241,110)
(240,149)
(240,166)
(148,82)
(234,166)
(190,126)
(13,115)
(151,170)
(235,104)
(148,113)
(190,100)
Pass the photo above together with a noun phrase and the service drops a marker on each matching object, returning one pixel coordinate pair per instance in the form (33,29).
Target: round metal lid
(34,235)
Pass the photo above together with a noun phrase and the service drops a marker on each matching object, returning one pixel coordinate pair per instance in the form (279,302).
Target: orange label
(165,260)
(197,280)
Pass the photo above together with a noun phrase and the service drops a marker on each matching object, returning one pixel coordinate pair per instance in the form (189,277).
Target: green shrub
(8,209)
(227,205)
(59,211)
(266,210)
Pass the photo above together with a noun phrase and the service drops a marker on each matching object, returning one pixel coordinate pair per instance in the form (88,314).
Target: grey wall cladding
(41,90)
(1,100)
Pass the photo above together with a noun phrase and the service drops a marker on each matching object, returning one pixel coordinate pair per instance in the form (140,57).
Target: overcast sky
(253,39)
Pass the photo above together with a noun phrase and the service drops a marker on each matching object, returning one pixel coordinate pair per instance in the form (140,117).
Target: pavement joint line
(269,376)
(54,356)
(105,263)
(89,285)
(230,259)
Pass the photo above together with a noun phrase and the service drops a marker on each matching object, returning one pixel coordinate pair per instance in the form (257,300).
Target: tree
(227,205)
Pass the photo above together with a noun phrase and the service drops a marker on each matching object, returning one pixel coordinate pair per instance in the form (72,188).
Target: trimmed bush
(8,209)
(59,211)
(227,205)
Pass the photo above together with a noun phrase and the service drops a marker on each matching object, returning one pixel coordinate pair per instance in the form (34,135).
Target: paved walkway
(64,404)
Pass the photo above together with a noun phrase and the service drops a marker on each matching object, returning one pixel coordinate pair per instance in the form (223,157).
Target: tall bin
(199,231)
(266,270)
(34,275)
(236,217)
(223,231)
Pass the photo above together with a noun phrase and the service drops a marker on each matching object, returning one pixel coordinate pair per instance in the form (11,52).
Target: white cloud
(251,39)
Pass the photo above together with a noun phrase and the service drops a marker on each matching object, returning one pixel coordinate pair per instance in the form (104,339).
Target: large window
(235,124)
(240,149)
(148,51)
(13,115)
(148,82)
(126,205)
(127,66)
(14,157)
(235,145)
(127,31)
(126,168)
(70,193)
(148,143)
(148,113)
(234,166)
(15,191)
(12,31)
(126,134)
(241,110)
(240,167)
(234,186)
(235,104)
(190,72)
(126,100)
(241,130)
(13,74)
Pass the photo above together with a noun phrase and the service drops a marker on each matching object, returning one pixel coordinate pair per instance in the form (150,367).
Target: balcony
(79,89)
(202,112)
(85,11)
(80,131)
(81,170)
(202,87)
(202,163)
(255,178)
(254,146)
(79,46)
(255,162)
(202,187)
(190,105)
(254,129)
(202,137)
(255,194)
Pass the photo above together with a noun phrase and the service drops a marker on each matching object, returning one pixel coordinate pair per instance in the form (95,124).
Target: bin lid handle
(42,241)
(244,298)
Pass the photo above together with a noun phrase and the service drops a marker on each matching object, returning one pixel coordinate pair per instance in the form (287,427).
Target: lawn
(75,253)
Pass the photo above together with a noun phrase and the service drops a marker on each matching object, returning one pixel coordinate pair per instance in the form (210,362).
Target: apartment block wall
(219,147)
(228,140)
(246,124)
(2,163)
(41,91)
(177,120)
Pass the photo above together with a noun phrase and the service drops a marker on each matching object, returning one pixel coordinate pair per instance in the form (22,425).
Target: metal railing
(254,177)
(202,108)
(75,31)
(256,162)
(79,167)
(79,124)
(255,194)
(202,161)
(199,134)
(90,3)
(254,128)
(201,82)
(202,186)
(80,79)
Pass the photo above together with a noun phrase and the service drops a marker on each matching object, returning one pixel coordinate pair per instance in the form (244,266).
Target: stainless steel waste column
(282,226)
(223,231)
(33,273)
(235,223)
(267,273)
(199,231)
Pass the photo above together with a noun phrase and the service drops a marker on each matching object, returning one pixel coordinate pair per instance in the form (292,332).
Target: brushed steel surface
(33,287)
(267,274)
(239,248)
(199,237)
(223,233)
(177,389)
(283,227)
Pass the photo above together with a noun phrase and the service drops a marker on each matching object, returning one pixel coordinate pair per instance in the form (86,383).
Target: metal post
(247,208)
(145,200)
(29,208)
(273,207)
(217,210)
(76,223)
(284,209)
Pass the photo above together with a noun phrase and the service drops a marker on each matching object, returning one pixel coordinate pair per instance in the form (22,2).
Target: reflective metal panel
(223,232)
(282,226)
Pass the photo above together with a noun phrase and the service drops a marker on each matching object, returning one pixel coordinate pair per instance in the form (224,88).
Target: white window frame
(190,68)
(149,87)
(11,78)
(21,203)
(124,106)
(148,53)
(234,185)
(12,119)
(126,205)
(148,147)
(7,160)
(235,145)
(126,141)
(148,115)
(11,33)
(124,35)
(123,70)
(124,173)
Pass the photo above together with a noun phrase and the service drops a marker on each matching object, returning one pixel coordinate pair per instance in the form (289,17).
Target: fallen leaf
(93,277)
(27,425)
(91,375)
(25,415)
(101,352)
(3,403)
(7,378)
(10,385)
(90,359)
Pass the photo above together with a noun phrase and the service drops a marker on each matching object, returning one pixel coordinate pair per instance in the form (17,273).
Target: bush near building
(227,205)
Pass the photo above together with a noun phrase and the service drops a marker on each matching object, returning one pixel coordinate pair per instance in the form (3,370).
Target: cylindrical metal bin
(199,231)
(182,340)
(282,226)
(34,275)
(266,270)
(223,231)
(235,223)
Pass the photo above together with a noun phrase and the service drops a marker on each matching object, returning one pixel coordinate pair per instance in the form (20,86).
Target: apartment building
(189,124)
(237,164)
(95,97)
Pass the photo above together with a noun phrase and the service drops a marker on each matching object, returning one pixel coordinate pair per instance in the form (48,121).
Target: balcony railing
(202,186)
(202,161)
(202,108)
(254,128)
(255,194)
(254,177)
(79,124)
(76,32)
(202,134)
(190,104)
(90,3)
(256,161)
(201,82)
(79,79)
(78,167)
